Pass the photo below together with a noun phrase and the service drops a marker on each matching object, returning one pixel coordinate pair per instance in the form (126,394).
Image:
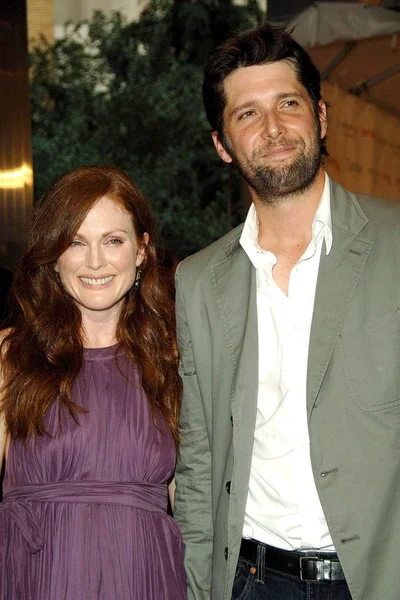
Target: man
(288,484)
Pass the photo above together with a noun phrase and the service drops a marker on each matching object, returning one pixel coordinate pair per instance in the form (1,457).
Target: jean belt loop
(260,566)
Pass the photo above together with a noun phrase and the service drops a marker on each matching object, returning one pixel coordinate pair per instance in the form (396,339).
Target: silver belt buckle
(301,566)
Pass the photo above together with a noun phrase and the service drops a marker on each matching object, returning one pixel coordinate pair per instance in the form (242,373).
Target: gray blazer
(353,399)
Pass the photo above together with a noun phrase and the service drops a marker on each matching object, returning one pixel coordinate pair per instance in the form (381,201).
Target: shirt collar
(322,220)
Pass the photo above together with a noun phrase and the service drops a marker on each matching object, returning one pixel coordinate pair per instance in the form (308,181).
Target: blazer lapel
(234,285)
(338,277)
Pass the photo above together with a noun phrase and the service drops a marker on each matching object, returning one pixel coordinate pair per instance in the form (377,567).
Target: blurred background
(119,82)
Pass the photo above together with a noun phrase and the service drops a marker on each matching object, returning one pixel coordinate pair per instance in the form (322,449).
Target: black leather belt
(307,566)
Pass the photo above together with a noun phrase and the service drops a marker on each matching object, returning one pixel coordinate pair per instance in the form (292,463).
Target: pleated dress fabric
(84,514)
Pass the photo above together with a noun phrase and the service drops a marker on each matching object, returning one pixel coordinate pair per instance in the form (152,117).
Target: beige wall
(40,16)
(363,143)
(75,10)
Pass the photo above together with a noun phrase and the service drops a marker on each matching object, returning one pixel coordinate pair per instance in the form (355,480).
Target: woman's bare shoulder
(4,334)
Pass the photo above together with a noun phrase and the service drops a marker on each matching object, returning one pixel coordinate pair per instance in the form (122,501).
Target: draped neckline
(104,353)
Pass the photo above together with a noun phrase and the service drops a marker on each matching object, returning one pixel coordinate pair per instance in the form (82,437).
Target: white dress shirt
(283,508)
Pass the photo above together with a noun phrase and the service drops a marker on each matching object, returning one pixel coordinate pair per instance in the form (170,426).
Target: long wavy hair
(43,354)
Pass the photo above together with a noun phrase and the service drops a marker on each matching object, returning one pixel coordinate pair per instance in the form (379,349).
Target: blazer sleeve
(193,509)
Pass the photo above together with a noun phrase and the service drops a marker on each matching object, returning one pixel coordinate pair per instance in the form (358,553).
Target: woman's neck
(99,329)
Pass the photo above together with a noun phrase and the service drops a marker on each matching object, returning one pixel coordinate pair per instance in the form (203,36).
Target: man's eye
(291,103)
(246,115)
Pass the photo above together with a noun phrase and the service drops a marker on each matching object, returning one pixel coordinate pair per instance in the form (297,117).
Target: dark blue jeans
(271,585)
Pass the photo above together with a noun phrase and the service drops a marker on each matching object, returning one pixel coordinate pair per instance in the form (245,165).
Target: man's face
(271,132)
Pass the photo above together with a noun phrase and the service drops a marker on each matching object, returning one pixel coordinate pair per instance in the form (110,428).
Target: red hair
(43,353)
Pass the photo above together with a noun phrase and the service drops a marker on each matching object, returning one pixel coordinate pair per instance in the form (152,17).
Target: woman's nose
(95,258)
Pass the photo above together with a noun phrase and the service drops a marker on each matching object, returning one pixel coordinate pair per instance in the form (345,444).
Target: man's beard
(274,184)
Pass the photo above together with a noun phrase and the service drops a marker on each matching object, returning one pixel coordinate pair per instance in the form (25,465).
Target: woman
(90,403)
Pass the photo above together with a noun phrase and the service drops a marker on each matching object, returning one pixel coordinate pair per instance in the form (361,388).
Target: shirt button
(296,327)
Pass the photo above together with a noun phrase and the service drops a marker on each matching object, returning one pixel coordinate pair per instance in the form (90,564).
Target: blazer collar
(345,210)
(234,285)
(338,276)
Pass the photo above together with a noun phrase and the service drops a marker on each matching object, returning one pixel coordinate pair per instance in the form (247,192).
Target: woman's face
(99,267)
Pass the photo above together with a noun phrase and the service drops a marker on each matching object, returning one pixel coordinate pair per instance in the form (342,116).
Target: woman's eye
(76,243)
(114,242)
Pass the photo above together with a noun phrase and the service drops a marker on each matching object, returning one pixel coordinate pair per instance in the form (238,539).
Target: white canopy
(326,22)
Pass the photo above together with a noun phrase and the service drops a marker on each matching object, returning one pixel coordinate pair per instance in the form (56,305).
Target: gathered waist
(149,496)
(18,501)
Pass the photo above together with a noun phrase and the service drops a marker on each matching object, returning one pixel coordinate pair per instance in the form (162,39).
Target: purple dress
(84,511)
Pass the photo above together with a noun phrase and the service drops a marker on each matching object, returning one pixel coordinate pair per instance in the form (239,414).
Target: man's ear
(323,117)
(222,153)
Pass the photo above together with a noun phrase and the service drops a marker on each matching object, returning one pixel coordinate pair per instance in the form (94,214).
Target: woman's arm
(3,439)
(171,493)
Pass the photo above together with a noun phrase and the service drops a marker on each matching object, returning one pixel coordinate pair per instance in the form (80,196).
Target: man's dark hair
(266,44)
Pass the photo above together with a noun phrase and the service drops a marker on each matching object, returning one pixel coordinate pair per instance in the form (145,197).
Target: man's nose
(273,125)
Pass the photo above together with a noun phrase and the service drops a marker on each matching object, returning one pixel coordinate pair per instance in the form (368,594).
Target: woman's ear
(141,253)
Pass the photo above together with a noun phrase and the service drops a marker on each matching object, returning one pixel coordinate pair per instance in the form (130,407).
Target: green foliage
(113,92)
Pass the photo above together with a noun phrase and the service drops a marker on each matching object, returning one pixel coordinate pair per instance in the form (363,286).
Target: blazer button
(226,553)
(231,420)
(228,487)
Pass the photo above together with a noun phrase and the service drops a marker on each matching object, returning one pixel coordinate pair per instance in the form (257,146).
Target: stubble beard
(277,184)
